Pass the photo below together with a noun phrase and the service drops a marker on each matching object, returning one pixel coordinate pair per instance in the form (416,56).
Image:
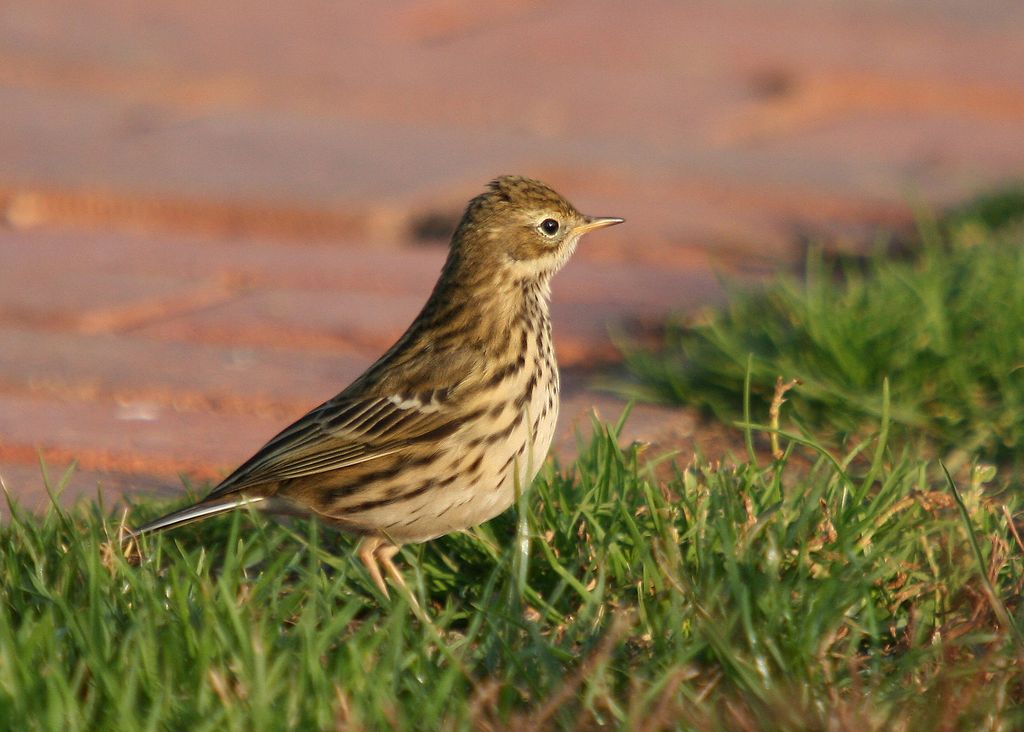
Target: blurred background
(214,214)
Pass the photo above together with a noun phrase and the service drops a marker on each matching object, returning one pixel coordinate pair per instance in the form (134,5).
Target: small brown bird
(439,433)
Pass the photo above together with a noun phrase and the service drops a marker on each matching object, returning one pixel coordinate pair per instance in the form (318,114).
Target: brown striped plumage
(442,430)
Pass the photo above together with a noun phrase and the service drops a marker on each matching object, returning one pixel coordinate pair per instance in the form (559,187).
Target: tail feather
(197,512)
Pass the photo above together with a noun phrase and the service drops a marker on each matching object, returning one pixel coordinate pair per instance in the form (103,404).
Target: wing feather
(341,433)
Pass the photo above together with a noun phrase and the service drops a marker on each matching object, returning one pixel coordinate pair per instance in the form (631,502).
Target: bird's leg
(376,552)
(368,556)
(385,552)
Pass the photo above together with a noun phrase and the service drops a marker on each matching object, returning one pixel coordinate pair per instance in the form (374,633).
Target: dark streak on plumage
(505,433)
(360,482)
(419,490)
(507,463)
(527,393)
(506,372)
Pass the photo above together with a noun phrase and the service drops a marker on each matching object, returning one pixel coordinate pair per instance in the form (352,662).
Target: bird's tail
(197,512)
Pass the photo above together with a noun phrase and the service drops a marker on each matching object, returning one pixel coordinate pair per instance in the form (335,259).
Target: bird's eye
(549,227)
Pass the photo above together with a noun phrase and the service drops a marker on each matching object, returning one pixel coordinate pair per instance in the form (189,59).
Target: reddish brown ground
(210,210)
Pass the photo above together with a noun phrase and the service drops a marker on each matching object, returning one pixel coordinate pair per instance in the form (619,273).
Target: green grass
(795,594)
(944,327)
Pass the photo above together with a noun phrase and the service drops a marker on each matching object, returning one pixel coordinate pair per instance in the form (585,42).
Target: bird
(455,419)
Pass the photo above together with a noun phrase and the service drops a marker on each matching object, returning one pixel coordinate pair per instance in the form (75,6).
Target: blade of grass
(997,605)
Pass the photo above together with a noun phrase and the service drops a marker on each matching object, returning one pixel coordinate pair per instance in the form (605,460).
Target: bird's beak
(597,222)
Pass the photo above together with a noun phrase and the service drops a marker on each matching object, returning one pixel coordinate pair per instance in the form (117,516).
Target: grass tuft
(943,329)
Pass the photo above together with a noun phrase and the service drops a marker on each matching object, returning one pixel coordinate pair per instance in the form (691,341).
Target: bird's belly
(482,476)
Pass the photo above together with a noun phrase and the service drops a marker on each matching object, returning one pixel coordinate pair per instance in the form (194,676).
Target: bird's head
(523,228)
